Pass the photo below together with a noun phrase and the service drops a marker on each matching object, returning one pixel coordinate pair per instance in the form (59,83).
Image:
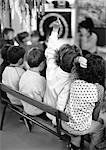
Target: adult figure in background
(87,38)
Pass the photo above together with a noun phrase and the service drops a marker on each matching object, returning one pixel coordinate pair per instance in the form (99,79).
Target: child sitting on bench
(85,92)
(32,83)
(59,72)
(12,73)
(3,65)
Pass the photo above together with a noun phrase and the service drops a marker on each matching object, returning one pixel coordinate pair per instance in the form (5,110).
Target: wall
(101,33)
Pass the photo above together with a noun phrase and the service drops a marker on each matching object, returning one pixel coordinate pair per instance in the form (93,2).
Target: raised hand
(83,62)
(56,24)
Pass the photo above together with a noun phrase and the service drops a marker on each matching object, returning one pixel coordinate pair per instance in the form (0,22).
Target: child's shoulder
(93,37)
(82,83)
(99,87)
(19,68)
(40,80)
(84,88)
(12,69)
(7,68)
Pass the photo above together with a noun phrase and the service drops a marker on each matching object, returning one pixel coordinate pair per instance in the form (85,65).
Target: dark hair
(85,52)
(15,53)
(87,24)
(10,42)
(21,36)
(89,21)
(35,34)
(7,30)
(95,71)
(35,57)
(4,51)
(65,56)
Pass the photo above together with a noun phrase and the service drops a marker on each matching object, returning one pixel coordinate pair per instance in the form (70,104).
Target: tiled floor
(16,137)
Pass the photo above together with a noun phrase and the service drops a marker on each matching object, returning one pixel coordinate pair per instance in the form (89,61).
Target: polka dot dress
(80,106)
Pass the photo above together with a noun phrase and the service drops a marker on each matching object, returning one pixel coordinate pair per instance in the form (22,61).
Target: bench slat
(40,105)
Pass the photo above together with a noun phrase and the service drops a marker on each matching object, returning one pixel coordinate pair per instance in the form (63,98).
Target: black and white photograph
(52,74)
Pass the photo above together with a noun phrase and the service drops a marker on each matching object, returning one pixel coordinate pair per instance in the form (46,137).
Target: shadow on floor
(15,136)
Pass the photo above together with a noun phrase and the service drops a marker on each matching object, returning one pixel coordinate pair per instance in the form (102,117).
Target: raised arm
(52,46)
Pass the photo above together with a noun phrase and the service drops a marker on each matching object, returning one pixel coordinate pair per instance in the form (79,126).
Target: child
(59,72)
(32,83)
(35,39)
(13,72)
(84,93)
(5,59)
(4,64)
(23,38)
(8,35)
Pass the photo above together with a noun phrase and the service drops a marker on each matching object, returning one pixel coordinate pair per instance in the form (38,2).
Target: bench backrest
(40,105)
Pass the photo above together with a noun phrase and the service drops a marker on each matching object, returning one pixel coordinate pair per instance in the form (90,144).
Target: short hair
(7,30)
(87,24)
(35,57)
(4,51)
(66,55)
(35,34)
(95,71)
(21,36)
(15,53)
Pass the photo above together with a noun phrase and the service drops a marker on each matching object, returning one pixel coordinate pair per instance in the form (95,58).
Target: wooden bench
(38,121)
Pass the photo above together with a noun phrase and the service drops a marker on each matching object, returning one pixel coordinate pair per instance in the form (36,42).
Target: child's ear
(20,61)
(42,65)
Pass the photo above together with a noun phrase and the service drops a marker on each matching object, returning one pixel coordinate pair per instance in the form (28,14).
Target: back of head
(15,53)
(4,51)
(35,34)
(21,36)
(35,57)
(6,31)
(66,55)
(95,71)
(90,22)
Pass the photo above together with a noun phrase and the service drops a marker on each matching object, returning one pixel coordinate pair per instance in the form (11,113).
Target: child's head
(4,51)
(66,55)
(35,36)
(35,57)
(95,71)
(23,37)
(15,54)
(8,33)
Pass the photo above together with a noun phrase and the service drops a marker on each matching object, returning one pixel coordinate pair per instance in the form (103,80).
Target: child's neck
(35,69)
(14,65)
